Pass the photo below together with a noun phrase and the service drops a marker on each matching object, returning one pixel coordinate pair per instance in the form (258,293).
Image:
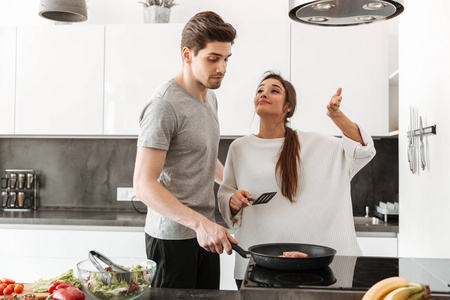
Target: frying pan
(268,256)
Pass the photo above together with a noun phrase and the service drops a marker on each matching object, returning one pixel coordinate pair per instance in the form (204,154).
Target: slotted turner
(121,273)
(263,199)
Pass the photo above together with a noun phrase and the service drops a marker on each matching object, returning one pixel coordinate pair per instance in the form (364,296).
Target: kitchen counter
(131,219)
(164,293)
(73,217)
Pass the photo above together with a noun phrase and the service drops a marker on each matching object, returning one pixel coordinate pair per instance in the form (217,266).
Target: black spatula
(263,199)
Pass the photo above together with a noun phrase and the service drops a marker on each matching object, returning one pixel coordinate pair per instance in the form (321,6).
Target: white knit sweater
(322,212)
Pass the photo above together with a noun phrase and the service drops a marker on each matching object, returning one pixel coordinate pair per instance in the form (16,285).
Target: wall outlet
(125,194)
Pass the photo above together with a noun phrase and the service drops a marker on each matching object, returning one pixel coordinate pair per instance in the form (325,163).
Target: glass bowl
(142,272)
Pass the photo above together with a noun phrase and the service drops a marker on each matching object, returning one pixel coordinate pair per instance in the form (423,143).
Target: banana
(424,294)
(404,292)
(417,296)
(385,286)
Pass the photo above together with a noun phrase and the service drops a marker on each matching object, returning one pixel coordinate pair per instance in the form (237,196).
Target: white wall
(13,12)
(424,50)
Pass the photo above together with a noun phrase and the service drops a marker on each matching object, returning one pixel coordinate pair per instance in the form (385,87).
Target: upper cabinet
(259,47)
(60,80)
(354,58)
(7,78)
(138,59)
(73,80)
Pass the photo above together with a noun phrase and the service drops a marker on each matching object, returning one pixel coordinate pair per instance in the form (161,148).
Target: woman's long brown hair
(289,157)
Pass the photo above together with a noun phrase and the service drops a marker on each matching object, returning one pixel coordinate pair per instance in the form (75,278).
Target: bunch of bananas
(397,288)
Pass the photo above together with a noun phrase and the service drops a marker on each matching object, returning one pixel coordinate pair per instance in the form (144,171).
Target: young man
(176,161)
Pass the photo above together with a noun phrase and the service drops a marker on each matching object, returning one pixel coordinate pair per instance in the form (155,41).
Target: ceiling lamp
(343,12)
(63,10)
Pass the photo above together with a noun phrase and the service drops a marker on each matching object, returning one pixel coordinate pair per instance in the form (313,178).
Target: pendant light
(63,10)
(343,12)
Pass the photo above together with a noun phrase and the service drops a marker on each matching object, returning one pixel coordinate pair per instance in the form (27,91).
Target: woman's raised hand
(239,200)
(333,107)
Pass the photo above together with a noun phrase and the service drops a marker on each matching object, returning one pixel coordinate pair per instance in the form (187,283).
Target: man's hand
(239,200)
(333,107)
(214,238)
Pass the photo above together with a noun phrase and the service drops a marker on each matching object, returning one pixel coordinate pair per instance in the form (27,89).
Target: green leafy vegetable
(41,285)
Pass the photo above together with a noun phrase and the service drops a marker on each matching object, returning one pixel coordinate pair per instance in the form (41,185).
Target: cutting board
(27,289)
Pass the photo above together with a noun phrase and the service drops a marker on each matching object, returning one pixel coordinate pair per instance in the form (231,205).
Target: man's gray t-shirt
(188,129)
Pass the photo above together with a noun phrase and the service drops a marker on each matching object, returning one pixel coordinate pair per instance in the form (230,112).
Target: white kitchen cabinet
(47,251)
(355,58)
(259,47)
(60,80)
(138,59)
(7,78)
(393,103)
(378,244)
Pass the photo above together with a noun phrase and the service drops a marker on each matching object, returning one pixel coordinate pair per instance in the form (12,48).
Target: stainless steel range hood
(343,12)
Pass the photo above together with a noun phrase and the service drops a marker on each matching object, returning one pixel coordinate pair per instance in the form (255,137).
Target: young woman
(311,173)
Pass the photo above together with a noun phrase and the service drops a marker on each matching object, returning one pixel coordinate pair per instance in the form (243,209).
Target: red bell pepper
(53,286)
(79,295)
(64,285)
(63,294)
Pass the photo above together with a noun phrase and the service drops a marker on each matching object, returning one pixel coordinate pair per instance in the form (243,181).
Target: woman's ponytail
(288,163)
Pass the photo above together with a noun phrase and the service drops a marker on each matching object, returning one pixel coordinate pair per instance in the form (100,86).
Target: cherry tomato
(1,292)
(18,289)
(8,291)
(7,280)
(3,286)
(11,286)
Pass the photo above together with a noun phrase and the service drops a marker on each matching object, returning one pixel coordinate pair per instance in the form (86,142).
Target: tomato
(8,291)
(3,286)
(7,280)
(18,289)
(11,286)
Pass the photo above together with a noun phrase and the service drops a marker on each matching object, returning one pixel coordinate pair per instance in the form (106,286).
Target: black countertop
(131,219)
(285,294)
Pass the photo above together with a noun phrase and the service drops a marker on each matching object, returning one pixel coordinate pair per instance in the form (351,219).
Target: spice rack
(19,190)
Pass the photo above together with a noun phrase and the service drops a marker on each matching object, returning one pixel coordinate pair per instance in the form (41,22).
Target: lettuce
(41,285)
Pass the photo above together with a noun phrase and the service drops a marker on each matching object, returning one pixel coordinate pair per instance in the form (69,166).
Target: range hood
(343,12)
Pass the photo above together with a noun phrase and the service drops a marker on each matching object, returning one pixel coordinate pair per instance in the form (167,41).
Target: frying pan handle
(242,252)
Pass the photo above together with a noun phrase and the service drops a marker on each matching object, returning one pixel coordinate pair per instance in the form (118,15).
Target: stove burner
(369,278)
(376,266)
(299,279)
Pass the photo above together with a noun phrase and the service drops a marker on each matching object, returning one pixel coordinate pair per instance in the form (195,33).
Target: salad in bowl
(93,281)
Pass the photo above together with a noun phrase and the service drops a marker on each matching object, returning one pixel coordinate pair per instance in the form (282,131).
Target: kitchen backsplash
(85,173)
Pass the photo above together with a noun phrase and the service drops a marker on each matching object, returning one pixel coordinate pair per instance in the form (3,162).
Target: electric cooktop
(353,273)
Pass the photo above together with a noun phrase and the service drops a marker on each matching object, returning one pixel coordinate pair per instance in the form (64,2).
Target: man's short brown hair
(206,27)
